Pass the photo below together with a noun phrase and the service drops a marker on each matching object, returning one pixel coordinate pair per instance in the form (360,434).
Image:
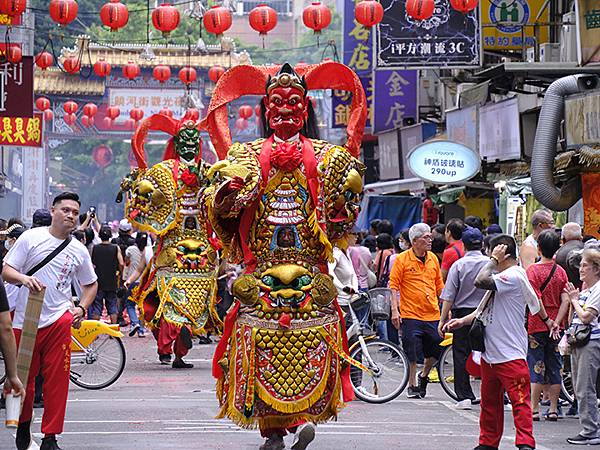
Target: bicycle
(388,366)
(97,355)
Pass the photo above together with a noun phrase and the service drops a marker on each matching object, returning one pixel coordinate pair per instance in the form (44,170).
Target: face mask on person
(7,245)
(403,245)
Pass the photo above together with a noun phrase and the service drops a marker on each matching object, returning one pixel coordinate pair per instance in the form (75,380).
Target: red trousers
(512,377)
(268,432)
(52,353)
(166,334)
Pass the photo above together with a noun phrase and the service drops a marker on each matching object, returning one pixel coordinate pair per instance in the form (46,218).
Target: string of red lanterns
(464,6)
(63,12)
(187,75)
(368,13)
(316,16)
(114,15)
(44,60)
(13,8)
(217,20)
(102,68)
(420,9)
(70,107)
(263,19)
(215,72)
(131,70)
(42,103)
(161,73)
(14,54)
(72,64)
(165,18)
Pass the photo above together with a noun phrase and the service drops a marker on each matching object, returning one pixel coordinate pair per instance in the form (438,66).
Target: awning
(413,185)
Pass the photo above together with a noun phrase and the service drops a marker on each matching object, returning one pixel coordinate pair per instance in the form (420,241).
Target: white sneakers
(464,405)
(304,435)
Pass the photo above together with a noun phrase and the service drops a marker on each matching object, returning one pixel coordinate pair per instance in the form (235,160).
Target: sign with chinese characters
(34,184)
(358,55)
(151,101)
(21,131)
(509,25)
(582,119)
(443,162)
(448,39)
(462,126)
(389,156)
(16,88)
(588,30)
(500,131)
(396,99)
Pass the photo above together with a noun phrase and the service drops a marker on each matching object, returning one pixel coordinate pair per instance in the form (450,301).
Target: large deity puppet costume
(279,204)
(177,290)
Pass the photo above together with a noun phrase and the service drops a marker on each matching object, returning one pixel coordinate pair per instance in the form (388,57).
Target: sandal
(536,416)
(551,416)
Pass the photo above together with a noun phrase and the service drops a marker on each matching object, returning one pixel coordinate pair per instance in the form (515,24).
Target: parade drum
(381,299)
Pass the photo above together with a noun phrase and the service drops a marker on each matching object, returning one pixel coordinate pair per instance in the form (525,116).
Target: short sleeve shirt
(453,253)
(537,274)
(73,262)
(460,287)
(590,298)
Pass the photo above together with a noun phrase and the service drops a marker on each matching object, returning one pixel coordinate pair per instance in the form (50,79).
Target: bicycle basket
(381,300)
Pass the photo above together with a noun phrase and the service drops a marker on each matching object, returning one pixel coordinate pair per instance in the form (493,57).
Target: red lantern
(161,73)
(72,64)
(14,54)
(165,18)
(102,68)
(87,121)
(70,107)
(368,13)
(42,103)
(217,20)
(102,156)
(12,8)
(108,122)
(263,19)
(131,70)
(464,6)
(420,9)
(187,75)
(241,124)
(215,72)
(130,124)
(69,118)
(316,16)
(90,109)
(112,112)
(114,15)
(245,111)
(166,112)
(136,114)
(48,115)
(257,110)
(63,12)
(193,114)
(44,60)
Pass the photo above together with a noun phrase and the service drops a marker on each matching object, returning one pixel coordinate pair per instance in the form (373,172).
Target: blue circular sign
(443,162)
(503,11)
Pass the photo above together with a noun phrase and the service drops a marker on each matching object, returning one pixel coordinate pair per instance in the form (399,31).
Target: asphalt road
(156,407)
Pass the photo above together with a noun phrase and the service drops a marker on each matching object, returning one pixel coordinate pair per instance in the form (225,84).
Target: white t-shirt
(505,333)
(12,293)
(343,275)
(590,298)
(73,262)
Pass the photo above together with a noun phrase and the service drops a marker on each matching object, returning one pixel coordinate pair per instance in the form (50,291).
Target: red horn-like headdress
(158,122)
(251,80)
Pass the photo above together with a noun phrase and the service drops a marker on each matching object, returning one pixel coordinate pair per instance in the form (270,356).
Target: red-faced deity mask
(286,111)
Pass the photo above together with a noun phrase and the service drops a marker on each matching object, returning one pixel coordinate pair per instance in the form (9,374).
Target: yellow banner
(509,24)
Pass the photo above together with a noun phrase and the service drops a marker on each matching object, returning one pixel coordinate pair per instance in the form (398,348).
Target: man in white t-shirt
(504,361)
(51,353)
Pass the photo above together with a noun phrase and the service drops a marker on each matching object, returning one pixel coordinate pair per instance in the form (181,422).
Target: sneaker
(582,440)
(165,359)
(463,404)
(23,439)
(123,323)
(304,435)
(134,329)
(413,392)
(204,340)
(186,337)
(141,334)
(572,412)
(49,443)
(423,385)
(179,363)
(274,442)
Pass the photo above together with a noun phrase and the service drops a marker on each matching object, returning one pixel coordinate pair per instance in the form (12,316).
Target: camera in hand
(92,211)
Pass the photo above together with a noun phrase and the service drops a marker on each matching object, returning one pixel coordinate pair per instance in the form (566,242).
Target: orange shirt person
(416,280)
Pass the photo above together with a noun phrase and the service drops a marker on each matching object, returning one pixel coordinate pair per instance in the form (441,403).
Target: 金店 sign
(443,162)
(21,131)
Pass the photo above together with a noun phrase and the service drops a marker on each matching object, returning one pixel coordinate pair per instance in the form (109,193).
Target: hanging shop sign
(582,119)
(16,88)
(588,31)
(358,55)
(443,162)
(510,25)
(447,39)
(396,99)
(500,131)
(34,184)
(390,165)
(21,131)
(590,183)
(462,126)
(150,101)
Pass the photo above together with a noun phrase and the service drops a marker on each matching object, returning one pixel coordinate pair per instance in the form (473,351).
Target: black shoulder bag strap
(50,257)
(545,283)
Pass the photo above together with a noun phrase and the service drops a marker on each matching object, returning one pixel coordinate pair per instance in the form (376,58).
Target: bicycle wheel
(566,386)
(390,372)
(446,373)
(100,364)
